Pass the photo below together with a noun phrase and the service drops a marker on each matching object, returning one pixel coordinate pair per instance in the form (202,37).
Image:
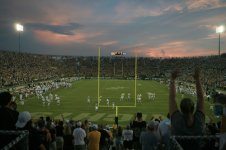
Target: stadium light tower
(219,30)
(19,28)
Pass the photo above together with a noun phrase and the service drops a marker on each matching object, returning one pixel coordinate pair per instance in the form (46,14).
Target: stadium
(110,85)
(75,85)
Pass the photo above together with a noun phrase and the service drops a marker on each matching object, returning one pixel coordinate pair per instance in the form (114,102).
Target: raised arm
(172,93)
(199,91)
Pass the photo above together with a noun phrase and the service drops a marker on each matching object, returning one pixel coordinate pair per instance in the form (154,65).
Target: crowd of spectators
(23,68)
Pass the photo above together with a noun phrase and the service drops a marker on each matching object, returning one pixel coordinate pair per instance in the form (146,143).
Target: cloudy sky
(151,28)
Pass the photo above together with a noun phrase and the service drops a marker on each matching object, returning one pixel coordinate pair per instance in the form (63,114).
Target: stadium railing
(194,142)
(11,138)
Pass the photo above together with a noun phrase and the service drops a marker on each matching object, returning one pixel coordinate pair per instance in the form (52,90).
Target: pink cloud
(172,49)
(204,4)
(58,39)
(215,36)
(54,38)
(126,12)
(208,26)
(107,43)
(59,13)
(174,8)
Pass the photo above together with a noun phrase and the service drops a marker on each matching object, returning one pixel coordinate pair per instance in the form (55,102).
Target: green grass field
(74,101)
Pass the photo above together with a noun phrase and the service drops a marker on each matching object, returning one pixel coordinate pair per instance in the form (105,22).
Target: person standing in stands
(186,122)
(138,126)
(59,135)
(24,122)
(104,138)
(221,99)
(164,129)
(127,135)
(68,137)
(7,114)
(94,138)
(149,139)
(79,137)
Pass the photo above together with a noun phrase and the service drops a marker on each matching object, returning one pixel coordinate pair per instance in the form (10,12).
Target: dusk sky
(150,28)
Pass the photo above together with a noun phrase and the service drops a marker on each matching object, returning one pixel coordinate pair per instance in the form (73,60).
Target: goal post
(99,85)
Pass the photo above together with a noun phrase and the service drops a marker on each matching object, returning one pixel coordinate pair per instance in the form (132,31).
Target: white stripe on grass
(81,116)
(64,115)
(97,117)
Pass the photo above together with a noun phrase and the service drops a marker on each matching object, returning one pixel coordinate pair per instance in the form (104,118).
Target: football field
(74,101)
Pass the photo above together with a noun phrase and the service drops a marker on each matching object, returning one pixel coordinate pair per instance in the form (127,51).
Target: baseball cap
(79,124)
(23,119)
(95,126)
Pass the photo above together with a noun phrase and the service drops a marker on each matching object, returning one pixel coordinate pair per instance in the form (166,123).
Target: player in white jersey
(208,97)
(149,95)
(57,100)
(38,95)
(55,96)
(113,105)
(153,96)
(96,107)
(14,98)
(211,107)
(26,95)
(129,96)
(108,102)
(122,96)
(48,100)
(21,99)
(43,100)
(88,100)
(100,98)
(139,98)
(50,96)
(21,96)
(38,91)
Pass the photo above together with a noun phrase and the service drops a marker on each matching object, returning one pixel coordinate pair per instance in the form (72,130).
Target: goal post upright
(122,68)
(135,80)
(98,78)
(116,111)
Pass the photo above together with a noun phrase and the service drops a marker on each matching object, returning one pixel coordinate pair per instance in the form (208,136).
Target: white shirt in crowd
(79,135)
(164,127)
(127,135)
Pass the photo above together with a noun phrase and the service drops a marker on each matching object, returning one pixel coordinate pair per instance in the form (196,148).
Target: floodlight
(220,29)
(19,27)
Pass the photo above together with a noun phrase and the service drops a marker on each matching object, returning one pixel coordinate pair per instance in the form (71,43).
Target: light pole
(219,30)
(19,28)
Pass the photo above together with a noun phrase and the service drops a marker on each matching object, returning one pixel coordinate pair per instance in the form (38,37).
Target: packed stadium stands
(23,68)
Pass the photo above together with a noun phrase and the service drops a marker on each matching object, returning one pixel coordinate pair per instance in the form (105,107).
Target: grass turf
(74,103)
